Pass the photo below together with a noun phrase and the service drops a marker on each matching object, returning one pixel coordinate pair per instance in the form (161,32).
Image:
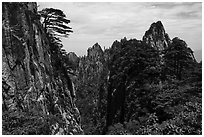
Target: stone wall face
(27,73)
(157,37)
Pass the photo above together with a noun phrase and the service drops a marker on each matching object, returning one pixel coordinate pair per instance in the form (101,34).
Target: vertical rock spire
(156,36)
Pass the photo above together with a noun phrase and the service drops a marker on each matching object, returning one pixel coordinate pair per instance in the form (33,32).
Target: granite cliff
(125,89)
(157,37)
(91,89)
(28,81)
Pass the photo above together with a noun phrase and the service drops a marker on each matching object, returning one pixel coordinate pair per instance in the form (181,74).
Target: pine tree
(178,57)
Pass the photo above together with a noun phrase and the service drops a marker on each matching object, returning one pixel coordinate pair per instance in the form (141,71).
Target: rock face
(93,62)
(95,52)
(157,37)
(27,73)
(91,89)
(73,60)
(73,57)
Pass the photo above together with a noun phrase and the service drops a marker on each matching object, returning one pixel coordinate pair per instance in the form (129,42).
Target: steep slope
(73,57)
(93,61)
(143,88)
(73,61)
(28,83)
(90,90)
(95,52)
(156,36)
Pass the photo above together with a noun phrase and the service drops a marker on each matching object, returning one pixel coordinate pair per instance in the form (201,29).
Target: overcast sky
(106,22)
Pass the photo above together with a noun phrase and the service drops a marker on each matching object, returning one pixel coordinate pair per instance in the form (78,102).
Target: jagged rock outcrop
(94,60)
(73,61)
(73,57)
(157,37)
(91,89)
(95,52)
(92,66)
(27,73)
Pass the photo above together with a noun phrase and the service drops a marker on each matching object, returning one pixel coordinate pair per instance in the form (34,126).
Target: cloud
(105,22)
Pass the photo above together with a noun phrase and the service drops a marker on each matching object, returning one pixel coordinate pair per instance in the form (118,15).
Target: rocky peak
(95,52)
(73,57)
(92,64)
(156,36)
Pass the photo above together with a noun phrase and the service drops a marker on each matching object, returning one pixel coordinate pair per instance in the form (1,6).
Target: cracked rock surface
(27,72)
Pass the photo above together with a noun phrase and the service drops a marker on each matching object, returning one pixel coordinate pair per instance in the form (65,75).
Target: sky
(105,22)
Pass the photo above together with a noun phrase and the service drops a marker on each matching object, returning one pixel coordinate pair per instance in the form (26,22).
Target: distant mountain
(112,82)
(73,57)
(198,55)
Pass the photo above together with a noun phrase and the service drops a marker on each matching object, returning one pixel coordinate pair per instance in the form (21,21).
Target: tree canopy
(178,57)
(55,22)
